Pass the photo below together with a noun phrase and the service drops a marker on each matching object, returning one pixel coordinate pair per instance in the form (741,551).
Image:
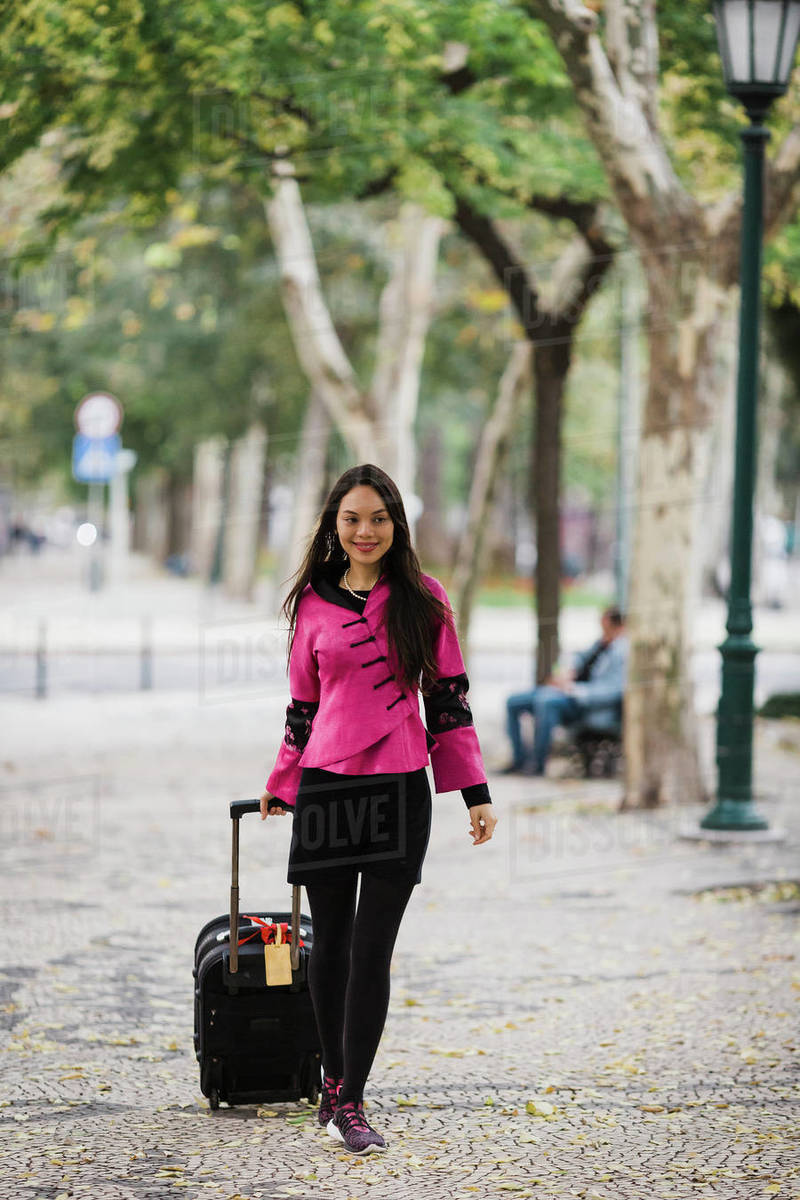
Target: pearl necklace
(350,590)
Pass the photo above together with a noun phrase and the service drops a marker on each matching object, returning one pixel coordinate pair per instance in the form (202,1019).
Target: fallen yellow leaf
(539,1108)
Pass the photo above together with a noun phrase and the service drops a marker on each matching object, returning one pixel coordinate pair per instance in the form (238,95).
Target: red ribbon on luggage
(268,931)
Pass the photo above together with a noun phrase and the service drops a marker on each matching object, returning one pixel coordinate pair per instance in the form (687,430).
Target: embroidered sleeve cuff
(447,706)
(299,716)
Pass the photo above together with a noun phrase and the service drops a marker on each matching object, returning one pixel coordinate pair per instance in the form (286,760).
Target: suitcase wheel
(213,1099)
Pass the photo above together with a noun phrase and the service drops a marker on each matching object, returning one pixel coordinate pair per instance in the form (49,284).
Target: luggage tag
(278,960)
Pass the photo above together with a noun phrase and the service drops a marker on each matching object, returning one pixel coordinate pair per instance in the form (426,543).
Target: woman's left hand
(483,822)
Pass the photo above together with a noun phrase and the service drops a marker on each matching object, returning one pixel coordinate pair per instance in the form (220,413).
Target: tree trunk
(405,312)
(179,519)
(577,275)
(150,521)
(630,390)
(661,745)
(716,474)
(492,450)
(376,424)
(207,485)
(435,544)
(264,514)
(310,486)
(319,350)
(768,588)
(551,362)
(245,482)
(612,61)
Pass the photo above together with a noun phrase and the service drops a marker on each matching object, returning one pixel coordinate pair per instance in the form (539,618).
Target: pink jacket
(347,710)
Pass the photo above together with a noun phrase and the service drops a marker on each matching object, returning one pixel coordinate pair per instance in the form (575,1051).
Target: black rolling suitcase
(254,1042)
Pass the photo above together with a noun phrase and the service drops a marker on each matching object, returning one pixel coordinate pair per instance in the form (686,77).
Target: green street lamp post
(757,41)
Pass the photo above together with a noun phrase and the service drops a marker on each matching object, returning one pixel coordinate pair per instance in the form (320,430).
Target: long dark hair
(412,611)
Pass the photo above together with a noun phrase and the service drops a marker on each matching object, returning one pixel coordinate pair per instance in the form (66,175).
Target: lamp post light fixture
(757,42)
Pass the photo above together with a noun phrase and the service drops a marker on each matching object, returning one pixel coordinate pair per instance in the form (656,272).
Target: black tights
(348,971)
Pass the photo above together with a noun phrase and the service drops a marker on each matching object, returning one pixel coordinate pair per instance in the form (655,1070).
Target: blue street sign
(94,459)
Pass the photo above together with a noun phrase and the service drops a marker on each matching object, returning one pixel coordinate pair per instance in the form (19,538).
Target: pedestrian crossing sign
(94,459)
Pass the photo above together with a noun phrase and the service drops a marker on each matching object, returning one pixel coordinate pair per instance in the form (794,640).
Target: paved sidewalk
(568,1016)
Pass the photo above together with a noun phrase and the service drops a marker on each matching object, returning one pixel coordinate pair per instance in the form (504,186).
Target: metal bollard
(41,661)
(146,659)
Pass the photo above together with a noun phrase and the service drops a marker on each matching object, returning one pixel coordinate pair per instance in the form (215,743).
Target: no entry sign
(98,415)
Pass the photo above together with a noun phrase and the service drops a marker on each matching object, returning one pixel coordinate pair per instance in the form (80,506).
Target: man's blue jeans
(550,707)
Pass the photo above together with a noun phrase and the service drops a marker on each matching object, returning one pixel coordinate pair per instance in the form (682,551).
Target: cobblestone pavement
(569,1017)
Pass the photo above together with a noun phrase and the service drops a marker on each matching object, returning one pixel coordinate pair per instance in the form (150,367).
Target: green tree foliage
(133,101)
(141,104)
(351,90)
(164,323)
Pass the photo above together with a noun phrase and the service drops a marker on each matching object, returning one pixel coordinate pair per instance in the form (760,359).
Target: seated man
(594,686)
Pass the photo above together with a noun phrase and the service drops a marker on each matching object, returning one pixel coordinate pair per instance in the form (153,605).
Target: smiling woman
(368,632)
(365,536)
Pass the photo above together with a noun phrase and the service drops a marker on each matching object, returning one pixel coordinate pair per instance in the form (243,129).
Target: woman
(367,630)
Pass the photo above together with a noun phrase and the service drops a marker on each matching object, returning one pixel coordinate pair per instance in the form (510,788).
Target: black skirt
(342,824)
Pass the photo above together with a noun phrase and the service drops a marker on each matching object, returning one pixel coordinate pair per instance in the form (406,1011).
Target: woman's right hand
(271,809)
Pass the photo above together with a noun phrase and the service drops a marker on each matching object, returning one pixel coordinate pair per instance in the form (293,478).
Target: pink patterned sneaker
(350,1126)
(329,1097)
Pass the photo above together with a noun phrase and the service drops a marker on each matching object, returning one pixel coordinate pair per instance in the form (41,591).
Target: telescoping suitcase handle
(238,810)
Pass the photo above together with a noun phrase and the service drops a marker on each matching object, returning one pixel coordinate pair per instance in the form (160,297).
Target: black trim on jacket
(445,708)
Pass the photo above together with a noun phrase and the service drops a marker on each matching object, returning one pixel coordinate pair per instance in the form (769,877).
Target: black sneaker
(329,1097)
(350,1126)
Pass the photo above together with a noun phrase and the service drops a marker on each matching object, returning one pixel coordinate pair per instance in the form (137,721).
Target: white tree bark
(378,423)
(309,469)
(316,341)
(658,624)
(405,312)
(495,436)
(689,254)
(661,743)
(245,488)
(768,584)
(207,485)
(151,514)
(717,471)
